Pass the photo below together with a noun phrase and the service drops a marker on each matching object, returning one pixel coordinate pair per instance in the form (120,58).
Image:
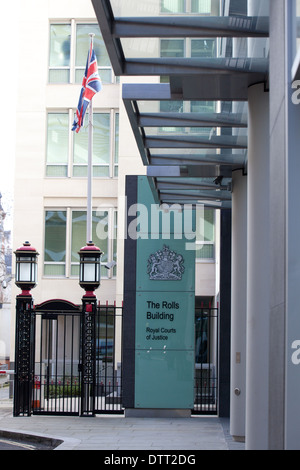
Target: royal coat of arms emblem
(165,265)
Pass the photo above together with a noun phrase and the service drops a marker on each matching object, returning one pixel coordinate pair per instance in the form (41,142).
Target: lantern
(26,268)
(89,274)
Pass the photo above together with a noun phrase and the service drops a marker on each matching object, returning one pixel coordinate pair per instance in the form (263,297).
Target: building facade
(50,198)
(53,160)
(258,65)
(208,106)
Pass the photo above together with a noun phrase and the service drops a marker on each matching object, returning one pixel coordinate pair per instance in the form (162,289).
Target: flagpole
(90,166)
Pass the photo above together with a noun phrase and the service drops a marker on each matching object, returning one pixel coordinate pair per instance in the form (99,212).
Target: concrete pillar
(292,268)
(257,373)
(238,305)
(278,155)
(238,282)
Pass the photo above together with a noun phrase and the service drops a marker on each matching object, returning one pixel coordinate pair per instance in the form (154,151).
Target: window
(101,147)
(69,45)
(67,151)
(172,6)
(55,243)
(205,234)
(202,7)
(62,259)
(99,237)
(203,107)
(171,107)
(59,60)
(57,144)
(116,146)
(187,48)
(203,48)
(187,107)
(172,48)
(82,47)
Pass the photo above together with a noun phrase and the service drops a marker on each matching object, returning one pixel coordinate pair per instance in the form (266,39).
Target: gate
(206,361)
(108,395)
(58,386)
(57,379)
(54,383)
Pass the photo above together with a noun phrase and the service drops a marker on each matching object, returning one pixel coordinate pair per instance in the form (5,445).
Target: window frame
(166,12)
(113,162)
(208,242)
(52,263)
(73,68)
(187,9)
(106,274)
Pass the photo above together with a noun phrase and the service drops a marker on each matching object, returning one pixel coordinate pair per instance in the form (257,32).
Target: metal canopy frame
(187,167)
(197,26)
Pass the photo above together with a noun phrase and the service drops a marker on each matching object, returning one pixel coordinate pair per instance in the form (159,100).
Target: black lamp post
(89,280)
(26,268)
(89,275)
(25,279)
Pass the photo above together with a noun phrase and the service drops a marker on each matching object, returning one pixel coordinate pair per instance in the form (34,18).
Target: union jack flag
(91,84)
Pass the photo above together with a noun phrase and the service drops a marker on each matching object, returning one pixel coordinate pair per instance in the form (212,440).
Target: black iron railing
(73,365)
(206,361)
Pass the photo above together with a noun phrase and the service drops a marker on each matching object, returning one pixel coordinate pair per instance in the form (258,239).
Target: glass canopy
(190,122)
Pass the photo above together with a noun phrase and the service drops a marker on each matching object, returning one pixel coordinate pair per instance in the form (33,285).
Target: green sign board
(164,379)
(165,311)
(165,265)
(163,320)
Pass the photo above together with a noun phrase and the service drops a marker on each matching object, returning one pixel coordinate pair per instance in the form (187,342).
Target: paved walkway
(118,433)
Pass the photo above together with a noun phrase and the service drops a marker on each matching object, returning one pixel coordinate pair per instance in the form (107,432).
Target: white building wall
(34,193)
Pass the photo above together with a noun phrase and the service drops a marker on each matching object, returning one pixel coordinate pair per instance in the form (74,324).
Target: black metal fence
(58,386)
(53,382)
(57,379)
(206,361)
(108,396)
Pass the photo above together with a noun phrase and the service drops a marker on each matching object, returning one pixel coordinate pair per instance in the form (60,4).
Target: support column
(225,314)
(238,305)
(258,272)
(24,356)
(292,254)
(278,158)
(88,355)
